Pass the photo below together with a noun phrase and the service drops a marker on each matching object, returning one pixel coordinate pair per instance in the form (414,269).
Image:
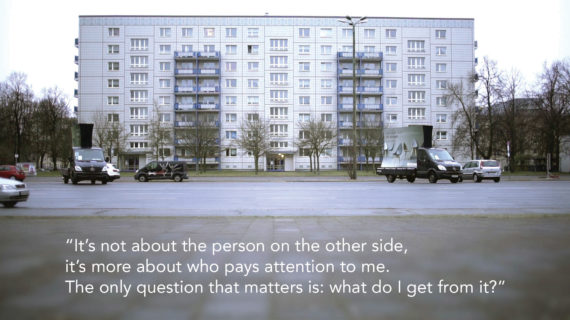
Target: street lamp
(353,22)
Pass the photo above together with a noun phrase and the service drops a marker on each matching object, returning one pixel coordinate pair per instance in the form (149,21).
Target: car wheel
(177,178)
(391,178)
(432,177)
(454,180)
(9,204)
(103,181)
(65,180)
(497,180)
(74,181)
(92,181)
(142,178)
(411,178)
(13,178)
(477,178)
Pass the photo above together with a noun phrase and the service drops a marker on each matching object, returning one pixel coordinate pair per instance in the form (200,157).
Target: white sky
(37,36)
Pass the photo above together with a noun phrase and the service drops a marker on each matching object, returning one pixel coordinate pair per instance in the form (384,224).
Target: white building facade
(286,70)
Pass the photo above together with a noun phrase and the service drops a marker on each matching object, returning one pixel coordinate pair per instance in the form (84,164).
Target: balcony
(360,55)
(344,142)
(182,55)
(347,124)
(182,124)
(76,76)
(77,42)
(76,59)
(208,106)
(184,107)
(347,73)
(209,55)
(209,89)
(183,90)
(184,72)
(371,107)
(75,93)
(209,72)
(360,90)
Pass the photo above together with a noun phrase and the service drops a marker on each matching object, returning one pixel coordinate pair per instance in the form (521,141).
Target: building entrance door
(275,162)
(132,162)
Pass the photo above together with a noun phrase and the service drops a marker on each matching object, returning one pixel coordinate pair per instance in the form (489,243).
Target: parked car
(113,172)
(482,169)
(12,172)
(175,170)
(12,191)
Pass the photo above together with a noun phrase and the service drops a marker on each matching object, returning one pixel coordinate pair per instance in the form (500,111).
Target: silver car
(482,169)
(12,191)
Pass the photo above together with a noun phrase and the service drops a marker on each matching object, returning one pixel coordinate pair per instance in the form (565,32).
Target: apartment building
(188,71)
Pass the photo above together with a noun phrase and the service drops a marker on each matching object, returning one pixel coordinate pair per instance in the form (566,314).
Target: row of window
(231,32)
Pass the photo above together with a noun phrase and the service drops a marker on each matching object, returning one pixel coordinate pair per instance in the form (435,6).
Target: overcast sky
(38,36)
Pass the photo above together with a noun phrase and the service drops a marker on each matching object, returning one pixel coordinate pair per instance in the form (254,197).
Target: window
(304,100)
(440,34)
(440,51)
(347,49)
(252,49)
(441,135)
(139,113)
(278,144)
(253,66)
(231,152)
(326,32)
(390,67)
(113,100)
(209,32)
(391,101)
(164,100)
(278,112)
(231,32)
(164,83)
(390,33)
(326,83)
(278,44)
(252,117)
(165,48)
(139,129)
(138,145)
(391,84)
(164,66)
(113,32)
(304,66)
(347,33)
(304,117)
(139,61)
(187,32)
(278,79)
(278,130)
(231,100)
(304,32)
(252,100)
(278,61)
(369,33)
(416,113)
(416,62)
(441,84)
(186,48)
(278,95)
(392,118)
(139,44)
(113,66)
(113,83)
(209,48)
(231,83)
(112,117)
(164,117)
(370,49)
(326,100)
(253,83)
(231,134)
(416,45)
(327,117)
(326,66)
(139,78)
(231,117)
(441,118)
(416,96)
(304,83)
(390,50)
(441,101)
(165,32)
(231,66)
(139,95)
(416,79)
(303,49)
(252,32)
(231,49)
(326,49)
(113,49)
(440,67)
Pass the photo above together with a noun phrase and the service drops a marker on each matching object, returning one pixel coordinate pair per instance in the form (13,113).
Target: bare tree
(254,138)
(159,133)
(372,140)
(109,134)
(490,85)
(319,136)
(466,117)
(552,100)
(53,108)
(200,141)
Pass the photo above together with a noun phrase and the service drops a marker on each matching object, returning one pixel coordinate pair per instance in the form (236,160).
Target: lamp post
(353,22)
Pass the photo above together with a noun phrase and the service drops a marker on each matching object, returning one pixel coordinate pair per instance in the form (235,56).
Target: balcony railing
(347,124)
(77,42)
(360,55)
(209,71)
(208,106)
(208,89)
(191,89)
(368,106)
(361,72)
(182,72)
(209,55)
(76,59)
(184,107)
(185,54)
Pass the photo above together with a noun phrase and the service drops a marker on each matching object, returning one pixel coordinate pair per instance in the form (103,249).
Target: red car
(12,172)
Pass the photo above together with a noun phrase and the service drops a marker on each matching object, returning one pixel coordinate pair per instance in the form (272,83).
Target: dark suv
(175,170)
